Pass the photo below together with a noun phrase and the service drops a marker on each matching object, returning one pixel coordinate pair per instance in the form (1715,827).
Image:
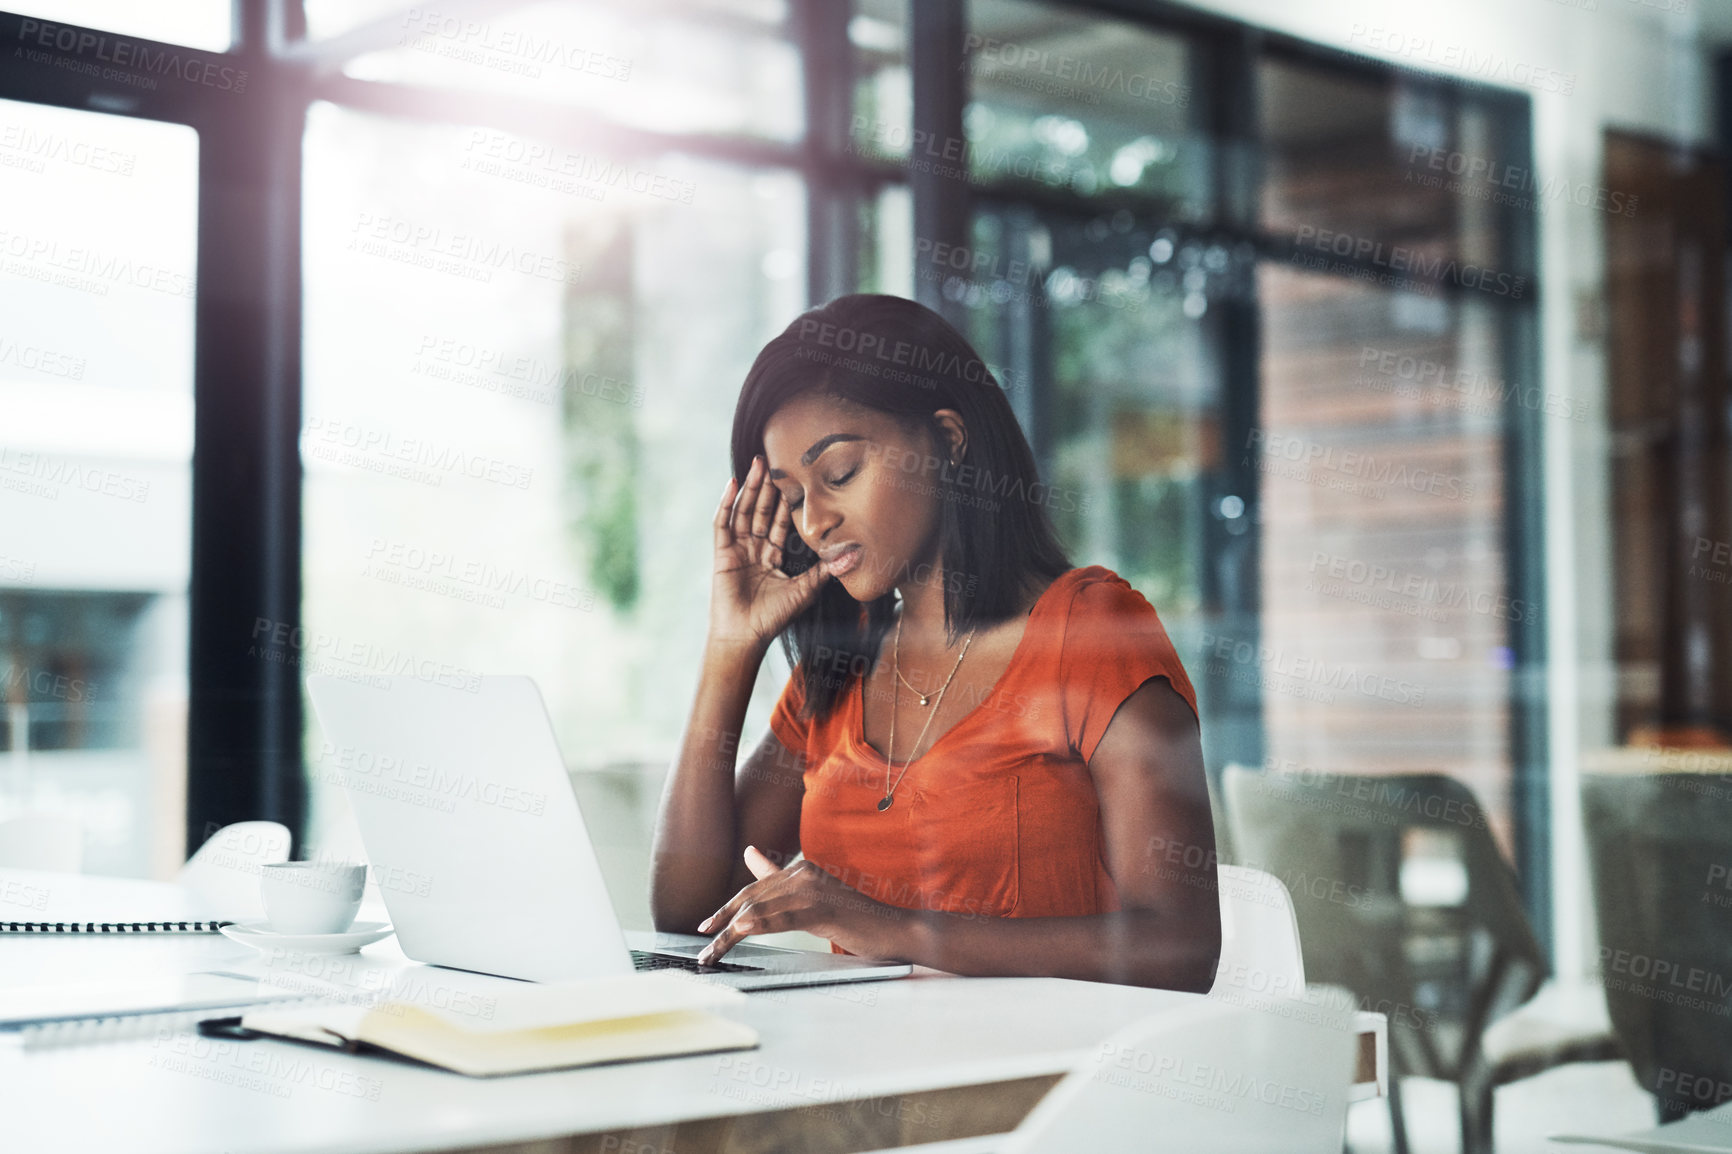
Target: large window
(516,404)
(511,268)
(96,350)
(1388,607)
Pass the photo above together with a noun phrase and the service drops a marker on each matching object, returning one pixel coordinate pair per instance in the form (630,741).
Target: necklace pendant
(883,803)
(925,700)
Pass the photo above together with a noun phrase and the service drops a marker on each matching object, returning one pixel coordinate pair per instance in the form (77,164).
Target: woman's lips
(845,562)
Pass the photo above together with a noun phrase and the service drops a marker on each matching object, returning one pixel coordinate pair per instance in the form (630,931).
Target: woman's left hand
(800,897)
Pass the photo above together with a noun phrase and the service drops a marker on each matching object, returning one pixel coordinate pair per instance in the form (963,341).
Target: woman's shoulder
(1094,593)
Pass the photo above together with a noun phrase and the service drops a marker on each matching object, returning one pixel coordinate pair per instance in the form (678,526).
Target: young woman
(989,759)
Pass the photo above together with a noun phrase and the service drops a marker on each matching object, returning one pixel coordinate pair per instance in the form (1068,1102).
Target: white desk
(1705,1132)
(839,1068)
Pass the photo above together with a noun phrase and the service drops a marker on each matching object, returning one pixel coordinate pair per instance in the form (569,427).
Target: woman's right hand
(751,599)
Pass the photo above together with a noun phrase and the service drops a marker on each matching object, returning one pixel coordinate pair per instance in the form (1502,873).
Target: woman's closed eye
(833,482)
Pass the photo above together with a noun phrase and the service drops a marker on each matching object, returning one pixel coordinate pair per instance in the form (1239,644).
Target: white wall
(1628,64)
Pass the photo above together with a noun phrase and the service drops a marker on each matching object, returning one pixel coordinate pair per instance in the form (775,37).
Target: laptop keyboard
(644,960)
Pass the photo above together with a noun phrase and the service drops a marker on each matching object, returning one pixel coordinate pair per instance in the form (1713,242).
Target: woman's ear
(953,434)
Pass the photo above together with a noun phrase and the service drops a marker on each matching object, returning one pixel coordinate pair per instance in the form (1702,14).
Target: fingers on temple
(780,526)
(747,497)
(766,508)
(725,536)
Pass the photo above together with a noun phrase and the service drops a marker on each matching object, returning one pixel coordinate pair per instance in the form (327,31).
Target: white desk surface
(1704,1132)
(181,1093)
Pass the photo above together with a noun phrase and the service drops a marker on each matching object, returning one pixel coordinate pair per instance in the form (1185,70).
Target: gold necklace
(925,698)
(890,750)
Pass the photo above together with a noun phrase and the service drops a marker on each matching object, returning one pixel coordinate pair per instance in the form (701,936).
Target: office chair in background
(1659,849)
(1450,975)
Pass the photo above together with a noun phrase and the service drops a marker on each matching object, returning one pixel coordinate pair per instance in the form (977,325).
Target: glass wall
(96,347)
(1386,607)
(524,331)
(518,393)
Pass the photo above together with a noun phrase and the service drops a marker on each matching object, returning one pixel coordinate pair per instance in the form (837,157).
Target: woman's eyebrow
(817,448)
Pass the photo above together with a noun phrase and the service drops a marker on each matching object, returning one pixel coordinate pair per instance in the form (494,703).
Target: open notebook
(538,1027)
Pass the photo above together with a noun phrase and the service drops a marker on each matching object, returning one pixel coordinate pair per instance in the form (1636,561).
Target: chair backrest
(1338,842)
(224,874)
(1660,850)
(42,841)
(1260,952)
(1206,1077)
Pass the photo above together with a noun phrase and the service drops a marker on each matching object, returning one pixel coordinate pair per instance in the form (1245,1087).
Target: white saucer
(260,936)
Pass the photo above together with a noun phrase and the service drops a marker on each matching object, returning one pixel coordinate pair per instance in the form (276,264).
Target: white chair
(1256,1066)
(1260,952)
(1210,1077)
(224,874)
(41,841)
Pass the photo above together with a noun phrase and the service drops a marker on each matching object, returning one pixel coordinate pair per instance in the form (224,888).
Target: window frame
(245,724)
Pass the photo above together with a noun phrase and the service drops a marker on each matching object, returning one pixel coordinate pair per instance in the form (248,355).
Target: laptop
(480,851)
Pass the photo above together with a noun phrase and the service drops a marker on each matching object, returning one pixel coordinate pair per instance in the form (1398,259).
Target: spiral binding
(108,1028)
(130,1026)
(112,927)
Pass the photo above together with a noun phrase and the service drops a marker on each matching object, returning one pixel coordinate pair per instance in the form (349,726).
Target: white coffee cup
(311,897)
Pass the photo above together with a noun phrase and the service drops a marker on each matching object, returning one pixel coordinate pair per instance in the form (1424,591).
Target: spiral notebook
(210,927)
(86,1011)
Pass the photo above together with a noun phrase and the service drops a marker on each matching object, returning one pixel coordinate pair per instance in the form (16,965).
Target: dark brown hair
(996,541)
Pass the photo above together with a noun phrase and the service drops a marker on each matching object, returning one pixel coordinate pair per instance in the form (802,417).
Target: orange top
(1007,786)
